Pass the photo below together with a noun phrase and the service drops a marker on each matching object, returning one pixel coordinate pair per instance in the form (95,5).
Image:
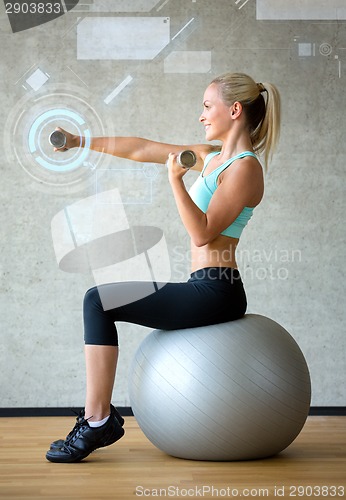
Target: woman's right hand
(72,141)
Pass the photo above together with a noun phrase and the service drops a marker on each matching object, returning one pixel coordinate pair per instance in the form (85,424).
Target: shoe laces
(80,422)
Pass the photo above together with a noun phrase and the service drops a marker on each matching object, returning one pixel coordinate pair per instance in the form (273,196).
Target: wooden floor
(314,466)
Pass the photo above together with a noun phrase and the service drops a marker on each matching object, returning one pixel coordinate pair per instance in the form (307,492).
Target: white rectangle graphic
(37,79)
(300,10)
(122,38)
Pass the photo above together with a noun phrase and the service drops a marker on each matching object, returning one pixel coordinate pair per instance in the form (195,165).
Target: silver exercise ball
(232,391)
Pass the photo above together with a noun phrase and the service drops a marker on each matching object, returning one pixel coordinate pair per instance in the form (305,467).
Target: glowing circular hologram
(53,113)
(55,164)
(27,131)
(42,131)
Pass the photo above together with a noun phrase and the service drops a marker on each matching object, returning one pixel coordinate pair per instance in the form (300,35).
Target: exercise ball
(230,391)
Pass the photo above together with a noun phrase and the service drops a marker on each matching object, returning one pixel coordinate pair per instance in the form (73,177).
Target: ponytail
(262,113)
(266,136)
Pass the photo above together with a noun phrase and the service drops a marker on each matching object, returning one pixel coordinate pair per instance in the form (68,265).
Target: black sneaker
(59,443)
(83,439)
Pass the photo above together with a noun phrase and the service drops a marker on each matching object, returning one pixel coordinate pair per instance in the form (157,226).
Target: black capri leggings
(211,295)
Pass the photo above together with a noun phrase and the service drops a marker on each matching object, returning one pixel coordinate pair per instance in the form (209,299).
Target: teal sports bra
(204,188)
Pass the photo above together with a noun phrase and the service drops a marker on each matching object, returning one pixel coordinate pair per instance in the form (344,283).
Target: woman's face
(216,115)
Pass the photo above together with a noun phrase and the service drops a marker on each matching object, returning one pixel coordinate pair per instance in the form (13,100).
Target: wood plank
(134,468)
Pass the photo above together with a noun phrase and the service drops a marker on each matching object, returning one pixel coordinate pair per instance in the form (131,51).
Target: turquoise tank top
(204,188)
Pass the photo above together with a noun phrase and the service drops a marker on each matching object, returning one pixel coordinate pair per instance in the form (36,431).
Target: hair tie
(261,87)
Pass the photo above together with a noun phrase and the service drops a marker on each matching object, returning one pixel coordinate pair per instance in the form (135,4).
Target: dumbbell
(57,139)
(186,159)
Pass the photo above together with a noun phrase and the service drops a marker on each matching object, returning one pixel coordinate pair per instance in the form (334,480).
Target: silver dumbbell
(57,139)
(186,159)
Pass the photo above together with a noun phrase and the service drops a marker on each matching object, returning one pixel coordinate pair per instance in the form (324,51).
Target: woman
(245,117)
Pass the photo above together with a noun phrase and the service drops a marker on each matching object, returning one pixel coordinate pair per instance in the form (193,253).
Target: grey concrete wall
(292,253)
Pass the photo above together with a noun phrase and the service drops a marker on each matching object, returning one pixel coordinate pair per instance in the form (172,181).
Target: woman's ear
(236,110)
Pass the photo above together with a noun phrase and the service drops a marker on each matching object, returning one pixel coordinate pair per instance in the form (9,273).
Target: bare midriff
(218,253)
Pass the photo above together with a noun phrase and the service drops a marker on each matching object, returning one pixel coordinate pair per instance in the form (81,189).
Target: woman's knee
(92,299)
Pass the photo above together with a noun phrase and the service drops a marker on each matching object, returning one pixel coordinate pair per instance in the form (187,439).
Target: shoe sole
(73,459)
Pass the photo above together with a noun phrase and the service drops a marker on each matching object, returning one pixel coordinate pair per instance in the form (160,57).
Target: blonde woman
(245,117)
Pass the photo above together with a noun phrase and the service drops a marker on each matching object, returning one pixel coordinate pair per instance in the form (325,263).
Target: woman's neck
(236,142)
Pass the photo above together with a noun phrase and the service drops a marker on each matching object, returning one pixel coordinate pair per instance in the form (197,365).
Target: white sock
(99,423)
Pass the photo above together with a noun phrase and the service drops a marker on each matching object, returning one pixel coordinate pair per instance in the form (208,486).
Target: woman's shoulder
(206,149)
(203,150)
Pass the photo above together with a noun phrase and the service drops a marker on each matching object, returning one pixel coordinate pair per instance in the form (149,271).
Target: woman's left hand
(175,171)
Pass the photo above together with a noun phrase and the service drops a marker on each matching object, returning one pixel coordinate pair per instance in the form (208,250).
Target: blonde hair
(262,115)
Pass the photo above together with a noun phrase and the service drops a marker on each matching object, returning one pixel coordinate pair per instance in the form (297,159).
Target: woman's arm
(137,148)
(241,186)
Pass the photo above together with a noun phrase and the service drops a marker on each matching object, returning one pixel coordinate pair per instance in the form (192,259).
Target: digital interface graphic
(93,235)
(66,118)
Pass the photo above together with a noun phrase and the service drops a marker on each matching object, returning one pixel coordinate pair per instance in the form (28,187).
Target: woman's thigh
(176,305)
